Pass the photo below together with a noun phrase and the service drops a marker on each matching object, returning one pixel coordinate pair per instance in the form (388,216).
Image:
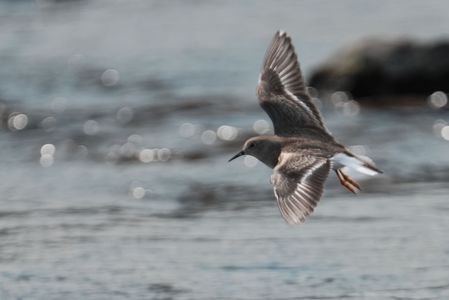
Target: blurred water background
(117,120)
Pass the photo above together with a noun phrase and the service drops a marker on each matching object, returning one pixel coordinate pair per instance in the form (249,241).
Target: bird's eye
(252,145)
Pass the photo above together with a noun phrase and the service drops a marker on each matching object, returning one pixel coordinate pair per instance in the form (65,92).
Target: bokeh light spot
(437,100)
(125,114)
(110,77)
(438,126)
(138,192)
(261,126)
(351,108)
(48,149)
(46,160)
(227,133)
(250,161)
(339,98)
(445,133)
(147,155)
(208,137)
(17,121)
(128,150)
(91,127)
(48,123)
(163,154)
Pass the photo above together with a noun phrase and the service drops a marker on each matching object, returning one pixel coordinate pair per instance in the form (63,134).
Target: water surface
(117,187)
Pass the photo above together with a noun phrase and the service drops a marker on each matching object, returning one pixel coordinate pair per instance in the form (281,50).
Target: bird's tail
(355,162)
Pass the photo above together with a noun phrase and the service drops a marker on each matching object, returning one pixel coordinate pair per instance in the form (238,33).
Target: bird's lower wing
(298,182)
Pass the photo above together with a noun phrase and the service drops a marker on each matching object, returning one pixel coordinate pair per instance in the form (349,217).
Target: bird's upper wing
(282,91)
(298,182)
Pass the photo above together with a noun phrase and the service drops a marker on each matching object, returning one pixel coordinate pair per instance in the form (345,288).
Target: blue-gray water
(117,187)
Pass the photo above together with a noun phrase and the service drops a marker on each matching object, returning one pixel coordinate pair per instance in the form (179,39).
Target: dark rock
(380,67)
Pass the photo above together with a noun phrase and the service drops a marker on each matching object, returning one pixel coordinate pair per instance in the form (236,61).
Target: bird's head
(264,148)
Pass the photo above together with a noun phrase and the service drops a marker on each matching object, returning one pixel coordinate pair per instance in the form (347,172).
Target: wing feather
(298,182)
(282,91)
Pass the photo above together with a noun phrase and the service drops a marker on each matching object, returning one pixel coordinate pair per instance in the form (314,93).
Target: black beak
(237,155)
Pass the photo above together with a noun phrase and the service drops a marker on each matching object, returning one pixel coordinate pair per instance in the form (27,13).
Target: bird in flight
(302,152)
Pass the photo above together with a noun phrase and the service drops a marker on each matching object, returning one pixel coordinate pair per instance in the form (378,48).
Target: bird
(302,152)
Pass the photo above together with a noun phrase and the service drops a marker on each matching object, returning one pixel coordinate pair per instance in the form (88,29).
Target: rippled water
(114,175)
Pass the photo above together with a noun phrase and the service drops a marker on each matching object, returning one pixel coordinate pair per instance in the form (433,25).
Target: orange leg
(348,182)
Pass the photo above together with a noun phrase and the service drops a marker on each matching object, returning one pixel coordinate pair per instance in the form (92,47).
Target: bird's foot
(346,181)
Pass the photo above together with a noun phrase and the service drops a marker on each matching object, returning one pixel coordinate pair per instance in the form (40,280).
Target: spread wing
(282,91)
(298,182)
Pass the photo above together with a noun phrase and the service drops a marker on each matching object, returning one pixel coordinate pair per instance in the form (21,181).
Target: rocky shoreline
(388,71)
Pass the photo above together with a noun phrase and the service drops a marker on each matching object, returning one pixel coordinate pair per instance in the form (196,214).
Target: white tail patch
(355,163)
